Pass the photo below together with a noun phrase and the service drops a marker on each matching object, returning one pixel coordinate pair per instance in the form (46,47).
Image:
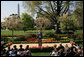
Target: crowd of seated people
(57,51)
(67,51)
(16,52)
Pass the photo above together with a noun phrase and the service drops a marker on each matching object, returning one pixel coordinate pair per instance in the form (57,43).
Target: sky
(10,7)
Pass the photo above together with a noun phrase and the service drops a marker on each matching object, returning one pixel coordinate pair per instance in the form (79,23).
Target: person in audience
(8,50)
(55,47)
(11,52)
(82,51)
(3,53)
(15,49)
(79,52)
(54,53)
(28,53)
(18,52)
(78,46)
(24,52)
(60,47)
(60,52)
(21,48)
(72,50)
(66,48)
(68,52)
(27,47)
(72,46)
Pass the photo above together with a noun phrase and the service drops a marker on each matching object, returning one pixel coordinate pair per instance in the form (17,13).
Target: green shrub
(16,42)
(79,41)
(27,36)
(6,39)
(20,38)
(49,35)
(64,41)
(33,35)
(64,37)
(80,35)
(6,45)
(71,39)
(9,35)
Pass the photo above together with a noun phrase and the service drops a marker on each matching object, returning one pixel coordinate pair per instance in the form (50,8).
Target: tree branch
(51,6)
(43,10)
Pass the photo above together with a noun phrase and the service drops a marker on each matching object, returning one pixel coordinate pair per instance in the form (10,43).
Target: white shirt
(19,53)
(54,53)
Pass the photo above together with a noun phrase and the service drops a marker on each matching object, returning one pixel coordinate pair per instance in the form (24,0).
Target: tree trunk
(58,31)
(58,15)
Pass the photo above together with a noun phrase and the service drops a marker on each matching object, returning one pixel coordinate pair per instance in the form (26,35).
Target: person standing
(39,36)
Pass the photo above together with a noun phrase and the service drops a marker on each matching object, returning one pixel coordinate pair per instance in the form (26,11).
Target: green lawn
(78,32)
(33,31)
(10,33)
(22,32)
(41,54)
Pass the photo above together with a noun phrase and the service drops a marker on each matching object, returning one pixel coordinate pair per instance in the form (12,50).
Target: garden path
(44,44)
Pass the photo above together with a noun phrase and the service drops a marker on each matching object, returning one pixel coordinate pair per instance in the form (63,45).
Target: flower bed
(43,41)
(48,40)
(32,38)
(8,44)
(72,42)
(35,40)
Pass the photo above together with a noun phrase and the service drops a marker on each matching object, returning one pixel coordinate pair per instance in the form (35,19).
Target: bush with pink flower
(8,44)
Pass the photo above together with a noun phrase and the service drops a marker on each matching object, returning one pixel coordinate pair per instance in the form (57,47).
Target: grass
(22,32)
(41,54)
(33,31)
(10,33)
(78,32)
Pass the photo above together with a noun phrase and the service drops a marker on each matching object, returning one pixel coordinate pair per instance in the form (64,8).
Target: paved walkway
(44,44)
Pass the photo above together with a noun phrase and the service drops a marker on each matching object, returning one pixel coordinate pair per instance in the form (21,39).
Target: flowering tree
(68,22)
(42,23)
(13,22)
